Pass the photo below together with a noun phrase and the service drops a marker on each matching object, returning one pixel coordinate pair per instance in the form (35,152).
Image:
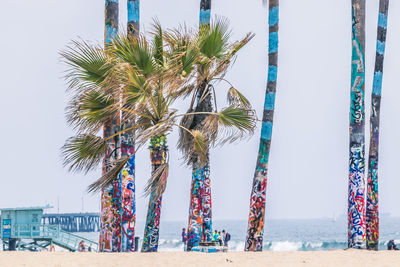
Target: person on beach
(391,245)
(81,246)
(226,237)
(184,239)
(215,235)
(220,238)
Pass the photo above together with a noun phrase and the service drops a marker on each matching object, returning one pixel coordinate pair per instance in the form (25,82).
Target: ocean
(279,235)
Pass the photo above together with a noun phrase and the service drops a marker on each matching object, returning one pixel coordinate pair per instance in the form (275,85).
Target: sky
(308,168)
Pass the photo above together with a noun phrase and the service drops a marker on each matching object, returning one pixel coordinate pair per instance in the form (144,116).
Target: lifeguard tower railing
(51,234)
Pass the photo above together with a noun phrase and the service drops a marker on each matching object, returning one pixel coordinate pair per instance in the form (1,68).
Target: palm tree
(372,212)
(255,230)
(110,232)
(144,78)
(211,62)
(200,209)
(128,149)
(356,200)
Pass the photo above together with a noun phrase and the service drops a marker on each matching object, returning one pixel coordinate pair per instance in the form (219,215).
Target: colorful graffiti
(356,199)
(255,229)
(158,155)
(372,209)
(207,205)
(110,240)
(196,208)
(127,177)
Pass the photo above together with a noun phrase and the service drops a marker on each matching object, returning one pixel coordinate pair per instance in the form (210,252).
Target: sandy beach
(311,258)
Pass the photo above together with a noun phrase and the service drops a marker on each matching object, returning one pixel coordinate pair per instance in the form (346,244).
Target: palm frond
(231,124)
(136,51)
(158,181)
(214,38)
(158,44)
(88,64)
(83,152)
(108,178)
(235,98)
(90,110)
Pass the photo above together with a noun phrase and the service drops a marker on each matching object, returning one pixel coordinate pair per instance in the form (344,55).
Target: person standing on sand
(215,236)
(184,238)
(219,238)
(226,237)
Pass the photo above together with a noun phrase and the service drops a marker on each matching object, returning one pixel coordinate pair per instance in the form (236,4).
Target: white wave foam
(286,246)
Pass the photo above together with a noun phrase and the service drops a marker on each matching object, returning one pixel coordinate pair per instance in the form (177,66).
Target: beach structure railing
(46,235)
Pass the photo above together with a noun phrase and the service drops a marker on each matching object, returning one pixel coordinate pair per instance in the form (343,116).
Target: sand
(311,258)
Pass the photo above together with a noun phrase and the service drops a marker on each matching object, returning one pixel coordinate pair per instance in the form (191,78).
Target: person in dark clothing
(391,245)
(184,239)
(226,237)
(184,236)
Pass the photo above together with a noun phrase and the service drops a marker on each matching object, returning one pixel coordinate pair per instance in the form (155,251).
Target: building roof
(27,208)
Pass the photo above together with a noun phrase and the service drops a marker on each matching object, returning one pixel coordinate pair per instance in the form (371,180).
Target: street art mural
(127,177)
(356,199)
(158,155)
(255,229)
(207,205)
(110,221)
(127,174)
(372,209)
(196,208)
(110,238)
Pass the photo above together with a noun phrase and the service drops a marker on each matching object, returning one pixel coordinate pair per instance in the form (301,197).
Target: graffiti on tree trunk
(356,199)
(372,209)
(158,154)
(255,228)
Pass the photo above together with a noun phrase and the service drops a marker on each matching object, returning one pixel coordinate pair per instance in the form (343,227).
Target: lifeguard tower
(21,229)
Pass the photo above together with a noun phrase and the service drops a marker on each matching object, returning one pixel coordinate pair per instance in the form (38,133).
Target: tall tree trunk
(255,230)
(110,227)
(205,16)
(200,209)
(372,212)
(356,199)
(133,17)
(158,153)
(128,149)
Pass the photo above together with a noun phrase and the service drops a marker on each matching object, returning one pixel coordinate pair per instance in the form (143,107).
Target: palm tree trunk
(255,230)
(200,215)
(356,199)
(372,212)
(205,16)
(158,152)
(110,221)
(128,149)
(133,17)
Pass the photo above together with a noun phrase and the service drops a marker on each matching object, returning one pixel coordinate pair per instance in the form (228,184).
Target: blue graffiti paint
(111,32)
(273,16)
(269,103)
(382,20)
(205,16)
(273,42)
(266,130)
(380,47)
(111,1)
(133,11)
(272,73)
(377,85)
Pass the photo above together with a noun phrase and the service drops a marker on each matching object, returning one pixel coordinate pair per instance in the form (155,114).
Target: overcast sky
(309,157)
